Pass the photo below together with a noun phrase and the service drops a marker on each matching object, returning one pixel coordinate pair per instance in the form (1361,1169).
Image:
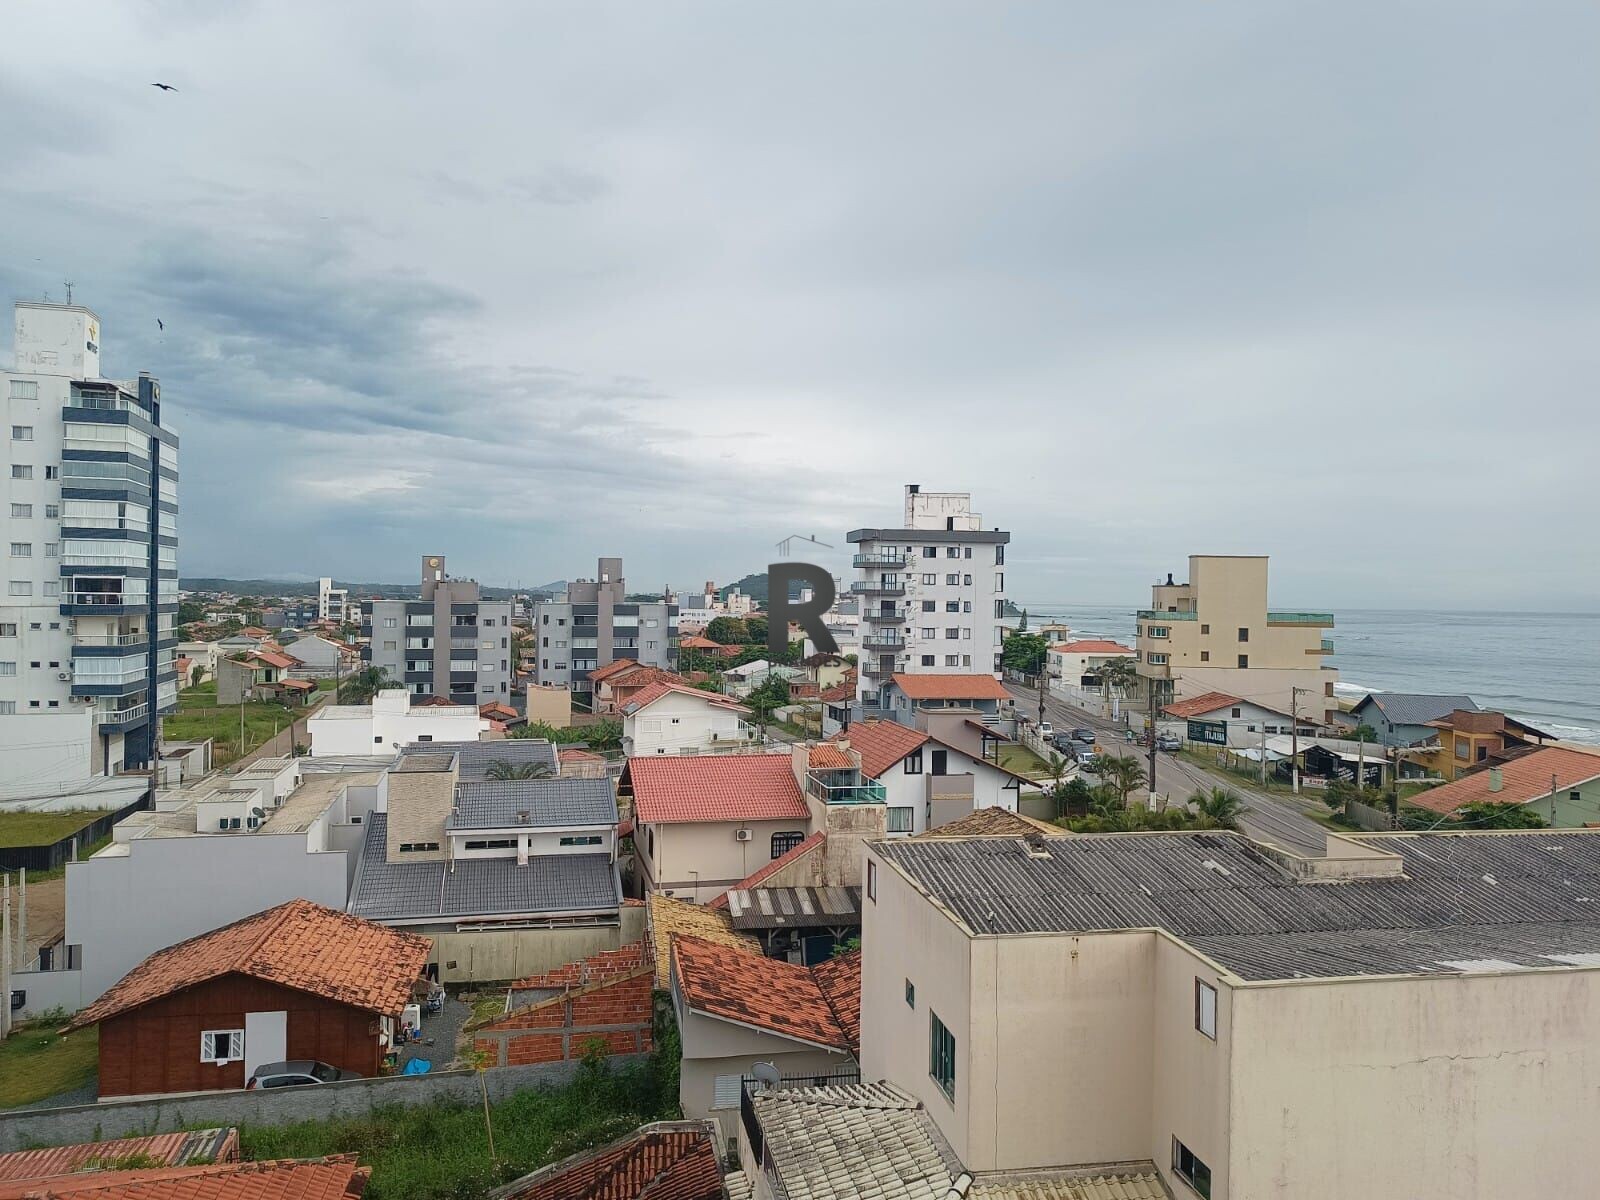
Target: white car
(1046,730)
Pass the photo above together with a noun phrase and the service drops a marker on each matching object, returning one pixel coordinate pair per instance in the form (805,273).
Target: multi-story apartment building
(593,625)
(449,642)
(87,648)
(933,593)
(1215,633)
(333,603)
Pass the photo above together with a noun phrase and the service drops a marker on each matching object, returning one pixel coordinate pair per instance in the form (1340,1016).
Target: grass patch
(1248,773)
(199,716)
(486,1005)
(1022,761)
(43,828)
(440,1152)
(36,1063)
(84,852)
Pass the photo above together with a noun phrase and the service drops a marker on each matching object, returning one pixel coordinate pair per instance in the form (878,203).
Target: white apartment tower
(932,592)
(333,603)
(91,556)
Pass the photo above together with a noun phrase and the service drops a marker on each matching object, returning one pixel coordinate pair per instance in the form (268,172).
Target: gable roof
(951,687)
(829,757)
(729,787)
(616,666)
(163,1149)
(767,870)
(840,980)
(881,743)
(299,945)
(649,694)
(667,917)
(992,822)
(1414,708)
(669,1160)
(1197,706)
(338,1177)
(1089,646)
(750,989)
(845,689)
(559,801)
(1523,779)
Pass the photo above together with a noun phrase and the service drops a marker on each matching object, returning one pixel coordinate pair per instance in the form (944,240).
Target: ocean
(1542,668)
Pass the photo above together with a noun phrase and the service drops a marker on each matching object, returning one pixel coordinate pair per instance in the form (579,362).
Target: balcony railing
(883,618)
(1327,645)
(820,785)
(1300,618)
(877,671)
(1155,614)
(108,599)
(70,558)
(121,716)
(878,587)
(883,641)
(109,639)
(878,560)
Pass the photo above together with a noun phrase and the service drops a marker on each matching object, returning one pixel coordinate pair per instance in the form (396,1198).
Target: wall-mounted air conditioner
(741,835)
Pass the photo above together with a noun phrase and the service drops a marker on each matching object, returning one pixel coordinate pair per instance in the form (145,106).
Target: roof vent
(1497,780)
(524,816)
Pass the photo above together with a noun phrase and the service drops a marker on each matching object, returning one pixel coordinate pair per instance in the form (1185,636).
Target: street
(1280,821)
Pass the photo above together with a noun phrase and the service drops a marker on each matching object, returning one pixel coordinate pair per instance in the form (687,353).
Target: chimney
(1497,781)
(524,816)
(522,852)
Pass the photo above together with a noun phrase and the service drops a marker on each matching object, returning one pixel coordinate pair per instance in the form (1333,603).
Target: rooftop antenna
(67,283)
(783,546)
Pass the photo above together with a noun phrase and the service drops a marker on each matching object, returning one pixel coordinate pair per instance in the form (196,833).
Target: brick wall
(617,1012)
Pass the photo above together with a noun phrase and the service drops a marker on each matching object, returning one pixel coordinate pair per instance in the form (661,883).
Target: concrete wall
(502,955)
(419,803)
(1190,1082)
(280,1106)
(550,705)
(699,860)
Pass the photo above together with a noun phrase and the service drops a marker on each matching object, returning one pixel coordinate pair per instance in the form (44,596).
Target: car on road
(1169,742)
(1064,743)
(1046,730)
(1084,735)
(295,1073)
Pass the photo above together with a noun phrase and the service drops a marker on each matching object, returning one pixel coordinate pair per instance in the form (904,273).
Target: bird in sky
(165,87)
(161,325)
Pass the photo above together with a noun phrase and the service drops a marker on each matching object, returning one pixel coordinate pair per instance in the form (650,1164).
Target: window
(221,1046)
(21,512)
(900,820)
(953,580)
(21,549)
(913,762)
(929,580)
(725,1092)
(1244,634)
(952,606)
(492,844)
(1155,659)
(8,708)
(872,881)
(9,629)
(999,556)
(21,471)
(1244,661)
(782,843)
(1237,713)
(1205,656)
(952,634)
(24,389)
(52,549)
(410,847)
(20,587)
(941,1055)
(1190,1169)
(1205,1008)
(929,606)
(1159,631)
(52,588)
(911,994)
(52,510)
(582,839)
(8,668)
(927,660)
(52,472)
(952,660)
(22,433)
(1205,629)
(966,606)
(930,631)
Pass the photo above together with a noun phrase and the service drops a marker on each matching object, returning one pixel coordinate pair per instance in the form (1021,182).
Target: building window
(913,762)
(952,552)
(930,552)
(929,580)
(21,512)
(1205,1008)
(1155,659)
(911,994)
(1244,635)
(953,580)
(872,881)
(1244,661)
(1205,629)
(21,549)
(413,847)
(52,472)
(24,389)
(952,660)
(21,471)
(19,587)
(221,1046)
(1190,1169)
(8,668)
(52,510)
(8,629)
(929,606)
(782,843)
(942,1056)
(1205,656)
(900,820)
(952,634)
(492,844)
(22,433)
(929,631)
(582,839)
(1158,631)
(927,660)
(1237,713)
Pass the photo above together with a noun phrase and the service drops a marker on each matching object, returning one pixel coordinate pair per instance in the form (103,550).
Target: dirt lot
(47,910)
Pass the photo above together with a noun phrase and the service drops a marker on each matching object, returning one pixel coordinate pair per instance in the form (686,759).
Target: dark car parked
(295,1073)
(1084,735)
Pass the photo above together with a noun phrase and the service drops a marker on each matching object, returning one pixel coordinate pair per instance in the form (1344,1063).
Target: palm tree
(1123,774)
(366,683)
(1220,806)
(501,769)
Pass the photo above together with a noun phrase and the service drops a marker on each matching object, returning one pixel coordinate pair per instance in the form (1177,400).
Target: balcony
(878,560)
(1326,646)
(1324,620)
(105,601)
(878,587)
(883,641)
(844,787)
(884,618)
(99,640)
(877,671)
(116,718)
(1155,614)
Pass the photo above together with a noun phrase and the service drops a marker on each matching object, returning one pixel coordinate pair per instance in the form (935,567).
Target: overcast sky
(525,284)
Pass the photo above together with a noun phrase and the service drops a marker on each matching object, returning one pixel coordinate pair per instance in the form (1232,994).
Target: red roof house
(767,994)
(337,1177)
(951,687)
(667,1160)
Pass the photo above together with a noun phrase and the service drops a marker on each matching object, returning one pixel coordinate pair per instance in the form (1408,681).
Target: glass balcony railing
(1155,614)
(883,618)
(107,715)
(883,641)
(878,587)
(1300,618)
(821,785)
(878,560)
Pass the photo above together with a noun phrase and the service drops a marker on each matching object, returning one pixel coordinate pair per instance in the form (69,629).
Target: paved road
(1267,818)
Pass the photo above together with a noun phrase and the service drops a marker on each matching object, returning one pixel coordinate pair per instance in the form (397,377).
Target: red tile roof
(951,687)
(573,754)
(1524,778)
(730,787)
(162,1149)
(1090,646)
(298,945)
(828,757)
(1197,706)
(840,981)
(765,993)
(767,870)
(649,695)
(615,667)
(498,710)
(845,689)
(880,743)
(255,631)
(295,685)
(665,1161)
(604,965)
(335,1178)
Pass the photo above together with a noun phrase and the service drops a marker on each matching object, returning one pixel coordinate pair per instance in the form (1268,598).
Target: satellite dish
(766,1074)
(256,812)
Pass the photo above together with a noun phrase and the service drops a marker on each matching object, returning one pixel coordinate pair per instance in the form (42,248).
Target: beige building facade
(1216,633)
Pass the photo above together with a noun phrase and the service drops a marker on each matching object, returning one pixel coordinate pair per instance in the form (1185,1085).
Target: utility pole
(1263,753)
(1294,734)
(5,955)
(1041,693)
(1552,797)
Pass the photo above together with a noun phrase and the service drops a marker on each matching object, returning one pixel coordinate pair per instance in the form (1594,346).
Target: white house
(1077,664)
(322,657)
(1218,719)
(928,782)
(743,679)
(668,718)
(391,720)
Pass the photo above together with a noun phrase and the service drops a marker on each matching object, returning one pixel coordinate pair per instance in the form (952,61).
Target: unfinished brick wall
(617,1012)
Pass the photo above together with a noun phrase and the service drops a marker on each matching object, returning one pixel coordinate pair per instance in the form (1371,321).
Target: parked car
(1064,743)
(293,1074)
(1169,742)
(1046,730)
(1085,735)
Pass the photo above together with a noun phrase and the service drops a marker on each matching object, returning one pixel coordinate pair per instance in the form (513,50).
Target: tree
(765,699)
(1362,733)
(755,628)
(1115,771)
(501,769)
(1022,625)
(605,734)
(729,631)
(1076,796)
(1024,652)
(1117,676)
(366,683)
(1485,814)
(190,611)
(1219,806)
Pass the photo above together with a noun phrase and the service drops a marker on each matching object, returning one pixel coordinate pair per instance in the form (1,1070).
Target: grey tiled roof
(1414,708)
(1517,897)
(473,758)
(855,1141)
(549,884)
(794,908)
(495,804)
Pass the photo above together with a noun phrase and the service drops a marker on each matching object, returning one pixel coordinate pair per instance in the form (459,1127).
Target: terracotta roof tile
(604,965)
(572,754)
(992,822)
(162,1149)
(334,1178)
(666,1161)
(1090,646)
(951,687)
(754,990)
(299,945)
(1524,778)
(840,980)
(767,870)
(845,689)
(649,694)
(616,666)
(668,917)
(732,787)
(880,743)
(1197,706)
(828,757)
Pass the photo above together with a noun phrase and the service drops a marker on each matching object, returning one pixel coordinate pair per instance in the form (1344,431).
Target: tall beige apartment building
(1215,633)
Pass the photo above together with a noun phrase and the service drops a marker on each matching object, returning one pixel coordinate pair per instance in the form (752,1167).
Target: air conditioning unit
(741,835)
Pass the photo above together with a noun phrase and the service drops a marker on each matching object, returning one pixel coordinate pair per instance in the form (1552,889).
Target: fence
(59,853)
(278,1106)
(1364,816)
(749,1086)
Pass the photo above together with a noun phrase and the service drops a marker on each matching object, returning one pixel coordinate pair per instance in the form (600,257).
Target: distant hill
(754,586)
(300,587)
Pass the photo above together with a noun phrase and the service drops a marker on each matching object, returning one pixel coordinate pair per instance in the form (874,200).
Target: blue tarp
(417,1066)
